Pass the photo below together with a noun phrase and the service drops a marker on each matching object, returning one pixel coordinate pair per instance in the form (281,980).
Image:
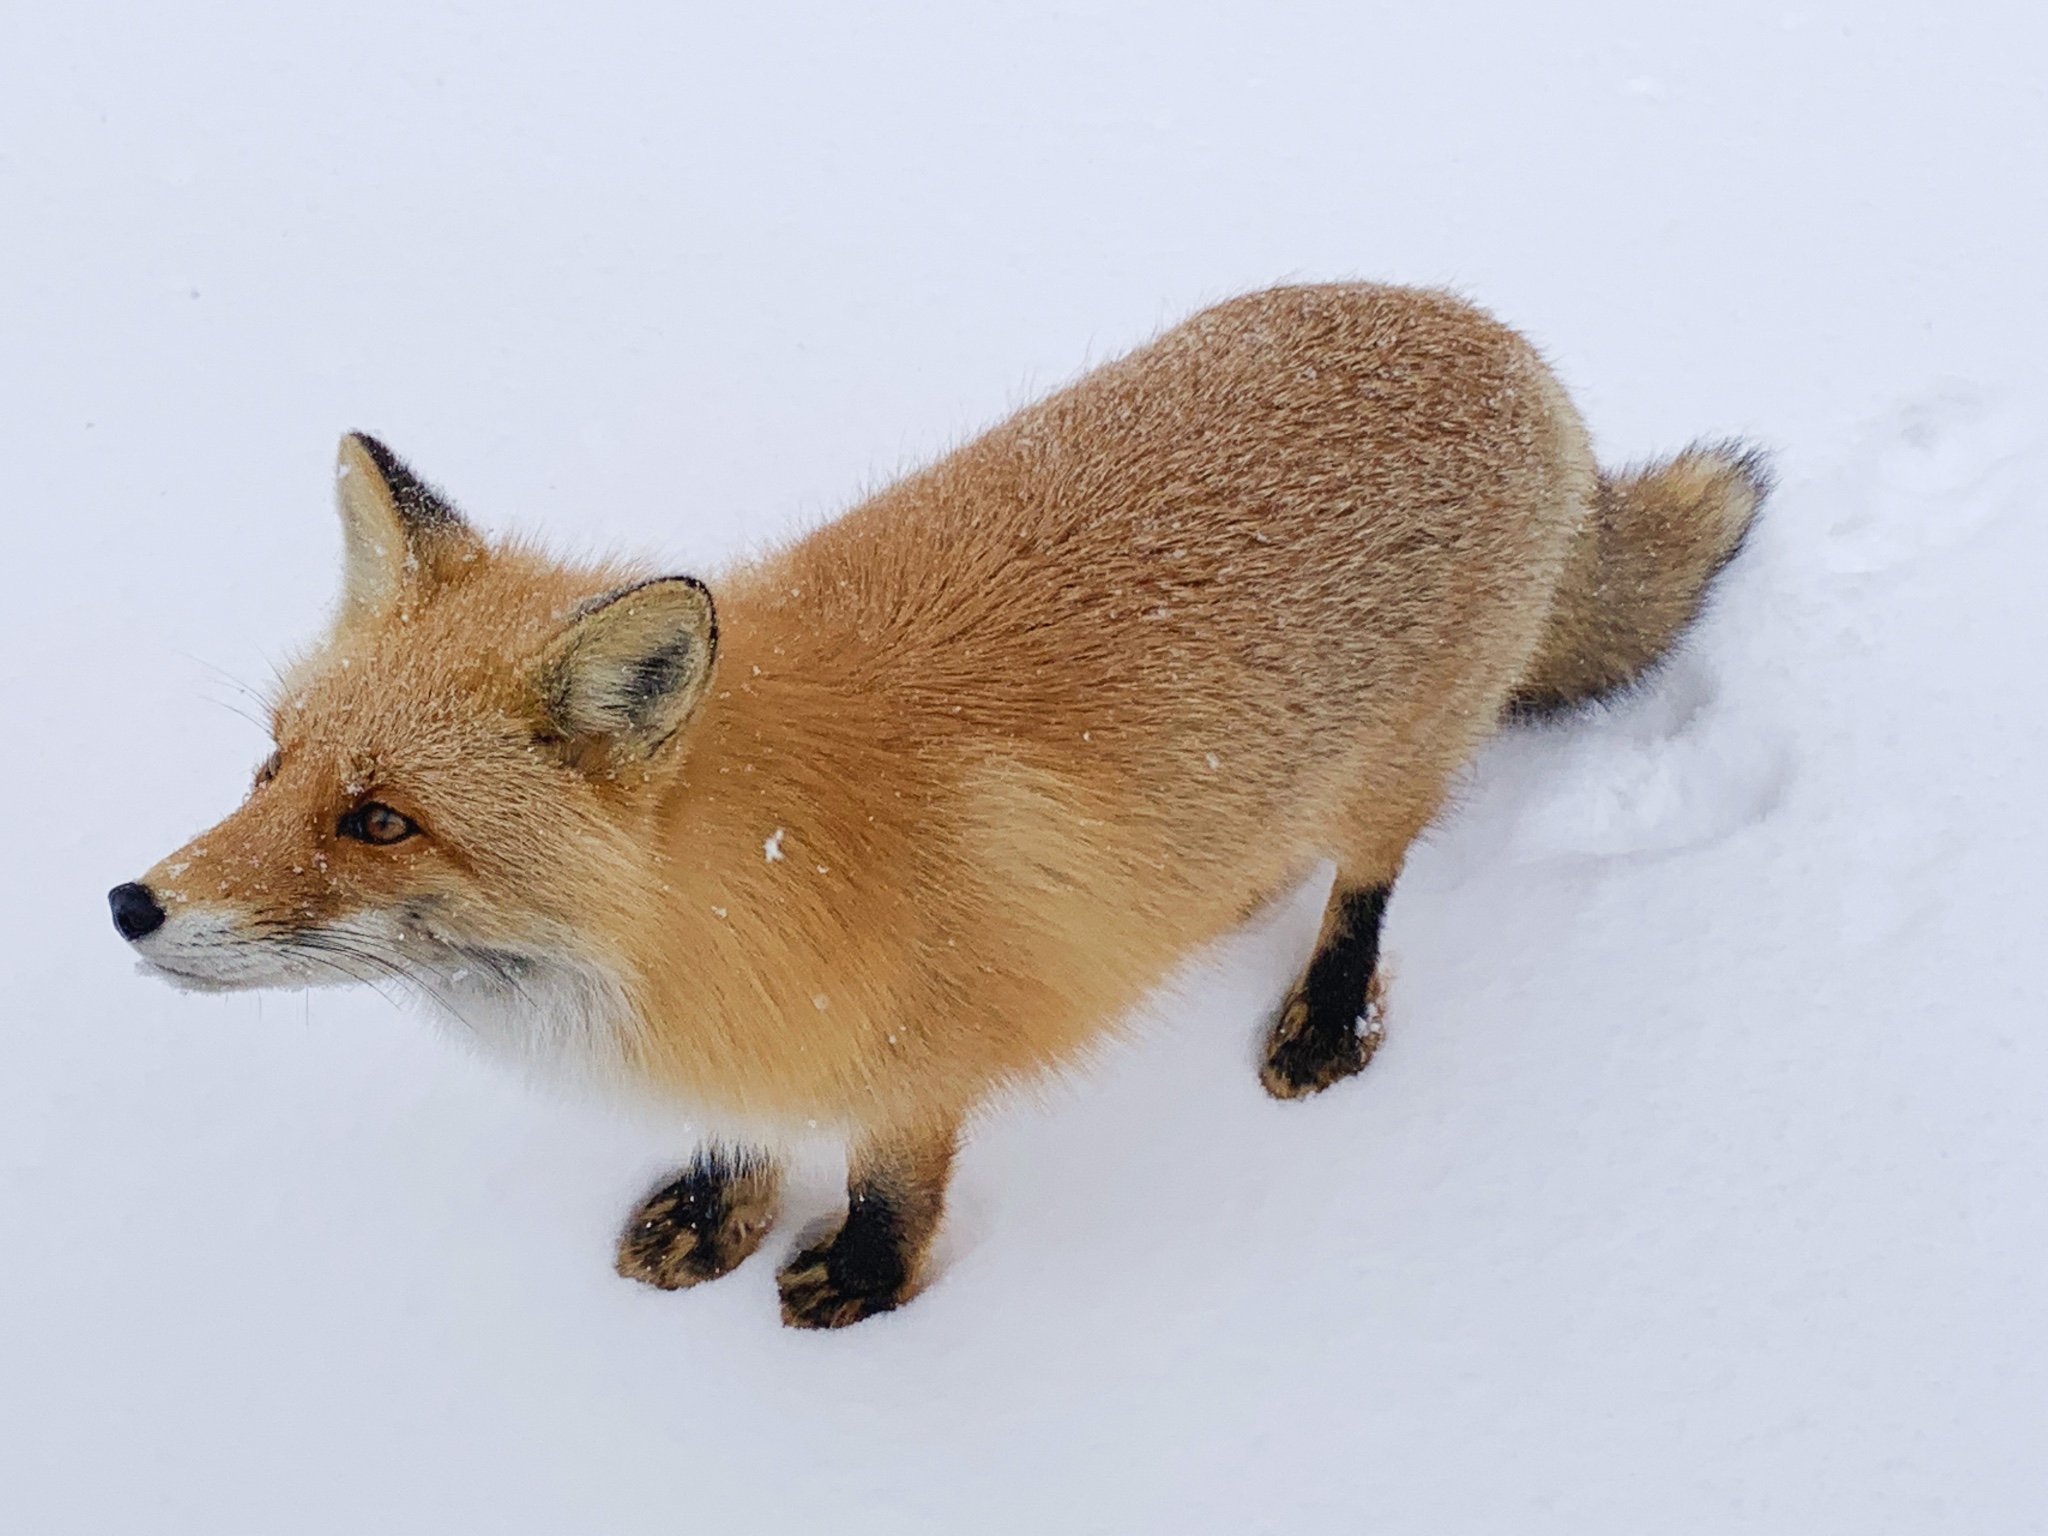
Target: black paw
(844,1277)
(1309,1050)
(700,1224)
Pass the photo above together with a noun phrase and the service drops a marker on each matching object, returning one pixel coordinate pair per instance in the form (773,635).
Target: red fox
(859,833)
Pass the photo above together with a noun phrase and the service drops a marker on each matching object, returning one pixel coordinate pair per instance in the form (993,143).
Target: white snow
(1699,1183)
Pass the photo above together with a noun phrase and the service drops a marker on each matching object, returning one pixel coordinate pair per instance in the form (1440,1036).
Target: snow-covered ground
(1702,1184)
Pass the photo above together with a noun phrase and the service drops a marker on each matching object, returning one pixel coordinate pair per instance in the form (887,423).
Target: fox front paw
(701,1224)
(835,1282)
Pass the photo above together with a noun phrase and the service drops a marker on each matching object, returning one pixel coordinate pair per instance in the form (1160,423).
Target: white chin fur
(551,1014)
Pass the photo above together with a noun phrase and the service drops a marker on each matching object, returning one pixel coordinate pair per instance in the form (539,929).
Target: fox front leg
(704,1221)
(874,1259)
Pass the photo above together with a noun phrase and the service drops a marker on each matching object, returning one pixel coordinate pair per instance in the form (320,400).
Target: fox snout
(137,912)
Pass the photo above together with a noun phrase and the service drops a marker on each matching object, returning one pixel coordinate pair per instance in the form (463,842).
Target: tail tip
(1748,462)
(1747,478)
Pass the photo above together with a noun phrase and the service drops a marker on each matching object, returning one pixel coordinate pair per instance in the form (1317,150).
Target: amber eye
(268,769)
(375,822)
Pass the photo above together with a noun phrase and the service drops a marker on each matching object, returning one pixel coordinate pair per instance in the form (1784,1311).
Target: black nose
(136,913)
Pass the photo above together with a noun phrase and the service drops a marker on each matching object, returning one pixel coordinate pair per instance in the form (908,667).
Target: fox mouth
(183,980)
(210,955)
(211,951)
(242,968)
(543,1003)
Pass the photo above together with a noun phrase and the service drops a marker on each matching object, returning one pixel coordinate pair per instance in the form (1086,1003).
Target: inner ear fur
(632,665)
(399,534)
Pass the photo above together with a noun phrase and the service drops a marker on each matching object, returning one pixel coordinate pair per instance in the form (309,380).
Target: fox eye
(375,822)
(267,770)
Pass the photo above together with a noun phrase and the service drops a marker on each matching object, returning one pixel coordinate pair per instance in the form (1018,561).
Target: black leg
(704,1221)
(873,1260)
(1324,1032)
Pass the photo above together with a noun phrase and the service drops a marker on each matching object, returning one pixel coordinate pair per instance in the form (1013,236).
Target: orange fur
(978,762)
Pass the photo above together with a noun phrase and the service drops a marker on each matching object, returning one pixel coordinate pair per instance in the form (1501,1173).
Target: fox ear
(397,531)
(633,664)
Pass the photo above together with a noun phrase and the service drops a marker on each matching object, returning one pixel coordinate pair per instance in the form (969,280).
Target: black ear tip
(418,503)
(389,464)
(137,913)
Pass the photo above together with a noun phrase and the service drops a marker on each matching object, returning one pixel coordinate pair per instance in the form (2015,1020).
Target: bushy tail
(1654,540)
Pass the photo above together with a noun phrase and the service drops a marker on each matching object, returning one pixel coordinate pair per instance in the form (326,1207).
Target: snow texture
(1699,1183)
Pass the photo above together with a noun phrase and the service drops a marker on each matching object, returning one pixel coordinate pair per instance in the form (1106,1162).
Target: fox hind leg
(1327,1028)
(704,1221)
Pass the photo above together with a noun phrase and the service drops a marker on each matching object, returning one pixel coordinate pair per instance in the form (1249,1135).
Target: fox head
(464,772)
